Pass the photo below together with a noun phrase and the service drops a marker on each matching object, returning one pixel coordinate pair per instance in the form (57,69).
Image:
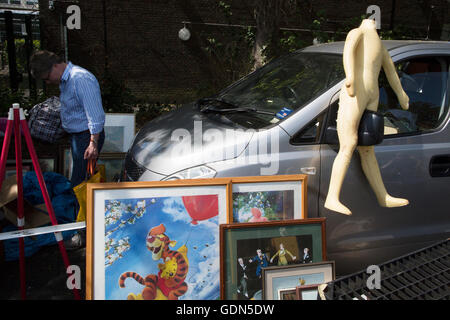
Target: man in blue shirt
(82,114)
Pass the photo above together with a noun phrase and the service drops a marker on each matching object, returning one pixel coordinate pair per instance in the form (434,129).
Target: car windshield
(288,83)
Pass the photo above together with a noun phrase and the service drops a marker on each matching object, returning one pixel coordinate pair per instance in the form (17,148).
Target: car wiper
(236,110)
(204,100)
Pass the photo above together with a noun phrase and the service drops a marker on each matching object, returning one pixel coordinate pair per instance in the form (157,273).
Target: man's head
(47,66)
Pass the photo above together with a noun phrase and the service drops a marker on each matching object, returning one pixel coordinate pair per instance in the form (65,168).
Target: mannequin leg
(338,172)
(349,115)
(372,171)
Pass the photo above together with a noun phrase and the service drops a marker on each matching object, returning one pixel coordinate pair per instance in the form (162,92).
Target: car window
(425,81)
(287,83)
(310,134)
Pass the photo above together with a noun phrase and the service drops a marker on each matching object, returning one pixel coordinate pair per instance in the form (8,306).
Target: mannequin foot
(391,202)
(336,205)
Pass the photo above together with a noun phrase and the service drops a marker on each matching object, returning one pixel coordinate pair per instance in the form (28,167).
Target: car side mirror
(370,131)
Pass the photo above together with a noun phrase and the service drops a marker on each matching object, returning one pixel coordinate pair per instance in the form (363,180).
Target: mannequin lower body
(349,115)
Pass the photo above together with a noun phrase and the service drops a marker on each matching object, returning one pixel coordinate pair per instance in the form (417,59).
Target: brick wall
(143,50)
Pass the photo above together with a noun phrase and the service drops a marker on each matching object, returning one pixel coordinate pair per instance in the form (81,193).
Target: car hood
(186,138)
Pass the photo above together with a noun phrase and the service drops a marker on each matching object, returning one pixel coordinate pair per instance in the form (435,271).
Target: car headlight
(202,172)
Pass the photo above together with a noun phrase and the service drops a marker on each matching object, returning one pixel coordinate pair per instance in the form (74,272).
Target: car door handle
(308,170)
(440,166)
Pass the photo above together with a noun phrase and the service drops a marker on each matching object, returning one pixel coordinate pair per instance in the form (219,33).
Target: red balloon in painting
(201,207)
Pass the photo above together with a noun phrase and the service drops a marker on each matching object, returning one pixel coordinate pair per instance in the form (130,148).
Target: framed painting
(287,294)
(11,170)
(155,240)
(268,198)
(248,248)
(113,164)
(46,165)
(309,276)
(307,292)
(119,131)
(65,160)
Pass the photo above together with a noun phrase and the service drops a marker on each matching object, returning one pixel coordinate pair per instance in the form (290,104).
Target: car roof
(338,47)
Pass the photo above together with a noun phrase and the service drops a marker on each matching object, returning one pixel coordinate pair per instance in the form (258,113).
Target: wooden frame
(243,240)
(300,290)
(144,203)
(283,187)
(287,277)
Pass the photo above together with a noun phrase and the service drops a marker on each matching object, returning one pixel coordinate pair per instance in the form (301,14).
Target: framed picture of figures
(155,240)
(303,279)
(268,198)
(248,248)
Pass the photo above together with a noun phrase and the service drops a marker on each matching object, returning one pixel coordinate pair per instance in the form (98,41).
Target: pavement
(46,277)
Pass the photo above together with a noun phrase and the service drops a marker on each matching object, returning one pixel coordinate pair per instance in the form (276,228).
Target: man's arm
(91,151)
(89,96)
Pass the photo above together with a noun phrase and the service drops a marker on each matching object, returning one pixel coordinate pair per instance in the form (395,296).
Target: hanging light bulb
(184,33)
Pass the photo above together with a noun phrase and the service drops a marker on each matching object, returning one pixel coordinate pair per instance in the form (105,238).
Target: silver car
(281,119)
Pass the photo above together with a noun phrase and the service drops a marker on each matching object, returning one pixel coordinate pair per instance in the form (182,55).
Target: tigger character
(169,283)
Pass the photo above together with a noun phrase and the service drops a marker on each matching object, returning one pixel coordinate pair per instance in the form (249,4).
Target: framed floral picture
(303,278)
(248,248)
(268,198)
(155,240)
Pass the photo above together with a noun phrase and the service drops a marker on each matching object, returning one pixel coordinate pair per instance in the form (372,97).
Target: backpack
(45,122)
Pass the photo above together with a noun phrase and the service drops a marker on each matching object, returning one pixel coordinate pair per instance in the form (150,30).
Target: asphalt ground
(46,277)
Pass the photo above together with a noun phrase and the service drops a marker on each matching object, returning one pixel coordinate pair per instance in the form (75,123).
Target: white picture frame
(119,131)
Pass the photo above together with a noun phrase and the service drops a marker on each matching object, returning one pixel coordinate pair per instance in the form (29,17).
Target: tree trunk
(268,15)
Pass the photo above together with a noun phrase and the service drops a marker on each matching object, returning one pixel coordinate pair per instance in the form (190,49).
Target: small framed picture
(248,248)
(307,292)
(119,132)
(155,240)
(268,198)
(287,294)
(11,170)
(293,276)
(65,160)
(113,164)
(47,164)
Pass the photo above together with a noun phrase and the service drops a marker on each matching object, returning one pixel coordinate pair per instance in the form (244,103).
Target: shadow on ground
(46,277)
